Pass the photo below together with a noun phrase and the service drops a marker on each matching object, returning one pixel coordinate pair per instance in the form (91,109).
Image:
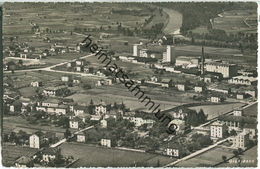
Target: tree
(240,151)
(233,133)
(67,133)
(201,116)
(158,163)
(91,107)
(235,152)
(224,158)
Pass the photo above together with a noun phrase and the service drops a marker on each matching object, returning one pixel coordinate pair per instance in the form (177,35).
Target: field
(69,16)
(28,77)
(10,153)
(233,21)
(113,94)
(215,110)
(16,123)
(207,159)
(93,156)
(250,154)
(237,20)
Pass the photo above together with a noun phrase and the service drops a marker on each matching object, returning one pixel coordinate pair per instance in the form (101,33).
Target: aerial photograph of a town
(129,84)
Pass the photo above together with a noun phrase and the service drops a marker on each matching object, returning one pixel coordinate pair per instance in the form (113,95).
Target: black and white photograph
(129,84)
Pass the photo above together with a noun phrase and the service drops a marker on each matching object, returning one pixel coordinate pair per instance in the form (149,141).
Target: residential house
(172,152)
(138,121)
(71,64)
(166,83)
(35,141)
(79,68)
(217,130)
(238,112)
(79,110)
(77,80)
(52,106)
(240,96)
(105,142)
(154,79)
(75,122)
(100,109)
(66,78)
(50,154)
(81,137)
(251,130)
(180,87)
(103,123)
(80,62)
(36,84)
(198,89)
(180,113)
(241,140)
(216,99)
(180,125)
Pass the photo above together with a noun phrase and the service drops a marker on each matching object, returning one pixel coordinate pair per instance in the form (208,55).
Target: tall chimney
(202,61)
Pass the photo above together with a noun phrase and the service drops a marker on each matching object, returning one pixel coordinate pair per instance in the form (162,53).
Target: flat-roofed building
(227,70)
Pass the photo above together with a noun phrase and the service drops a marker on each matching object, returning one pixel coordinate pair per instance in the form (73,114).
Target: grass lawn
(28,91)
(208,158)
(10,153)
(92,156)
(216,110)
(249,159)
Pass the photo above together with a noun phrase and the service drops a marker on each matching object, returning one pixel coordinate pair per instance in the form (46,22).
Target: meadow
(94,156)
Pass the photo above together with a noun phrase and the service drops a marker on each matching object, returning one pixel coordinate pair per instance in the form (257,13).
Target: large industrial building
(169,56)
(227,70)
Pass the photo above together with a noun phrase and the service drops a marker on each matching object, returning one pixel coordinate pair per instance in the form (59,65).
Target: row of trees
(194,119)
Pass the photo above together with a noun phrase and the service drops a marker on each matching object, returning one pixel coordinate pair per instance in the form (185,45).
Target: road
(64,140)
(50,68)
(196,153)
